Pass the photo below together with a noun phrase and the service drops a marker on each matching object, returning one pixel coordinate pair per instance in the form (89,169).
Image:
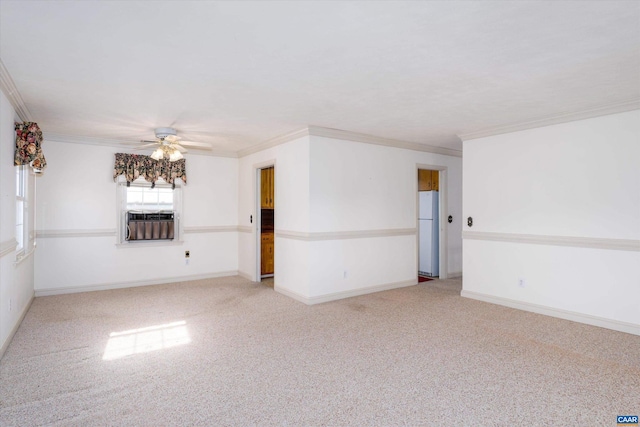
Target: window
(142,197)
(22,216)
(149,214)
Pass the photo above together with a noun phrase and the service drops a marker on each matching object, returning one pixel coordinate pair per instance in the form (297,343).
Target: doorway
(266,218)
(431,206)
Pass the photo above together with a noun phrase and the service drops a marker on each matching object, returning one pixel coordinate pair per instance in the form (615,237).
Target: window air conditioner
(150,225)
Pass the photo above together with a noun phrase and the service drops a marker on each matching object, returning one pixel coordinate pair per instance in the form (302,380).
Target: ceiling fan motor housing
(162,133)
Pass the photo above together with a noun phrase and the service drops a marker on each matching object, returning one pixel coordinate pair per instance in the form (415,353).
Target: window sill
(153,243)
(22,256)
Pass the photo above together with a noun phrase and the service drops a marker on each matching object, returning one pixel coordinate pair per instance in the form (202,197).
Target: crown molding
(126,144)
(9,88)
(620,107)
(88,140)
(376,140)
(348,136)
(282,139)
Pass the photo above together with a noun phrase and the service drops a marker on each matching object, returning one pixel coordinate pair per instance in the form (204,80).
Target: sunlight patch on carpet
(144,340)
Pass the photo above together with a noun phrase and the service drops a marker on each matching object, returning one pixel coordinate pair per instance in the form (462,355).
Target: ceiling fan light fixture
(168,145)
(176,155)
(157,154)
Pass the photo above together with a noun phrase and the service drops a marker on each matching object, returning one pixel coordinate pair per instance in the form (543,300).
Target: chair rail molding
(98,232)
(211,229)
(8,247)
(341,235)
(580,242)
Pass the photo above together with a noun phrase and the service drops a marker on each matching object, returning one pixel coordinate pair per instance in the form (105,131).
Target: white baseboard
(454,275)
(245,275)
(5,345)
(291,294)
(588,319)
(344,294)
(132,284)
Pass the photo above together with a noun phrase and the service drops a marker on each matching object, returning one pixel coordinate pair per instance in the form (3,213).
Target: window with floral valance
(134,166)
(29,146)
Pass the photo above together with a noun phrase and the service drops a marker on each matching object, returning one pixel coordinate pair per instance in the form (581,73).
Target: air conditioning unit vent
(158,225)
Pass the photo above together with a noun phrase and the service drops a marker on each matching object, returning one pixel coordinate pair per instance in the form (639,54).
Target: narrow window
(21,208)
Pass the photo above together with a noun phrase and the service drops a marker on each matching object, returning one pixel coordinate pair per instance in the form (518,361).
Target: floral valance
(133,166)
(29,146)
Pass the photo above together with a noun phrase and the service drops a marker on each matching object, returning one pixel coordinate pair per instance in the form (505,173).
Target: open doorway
(429,208)
(266,190)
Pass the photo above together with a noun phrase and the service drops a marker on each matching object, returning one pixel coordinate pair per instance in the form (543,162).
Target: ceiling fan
(169,145)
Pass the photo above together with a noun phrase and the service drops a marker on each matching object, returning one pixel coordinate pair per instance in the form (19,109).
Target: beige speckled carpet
(228,352)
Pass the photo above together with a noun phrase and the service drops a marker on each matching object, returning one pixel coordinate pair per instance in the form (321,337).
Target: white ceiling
(239,73)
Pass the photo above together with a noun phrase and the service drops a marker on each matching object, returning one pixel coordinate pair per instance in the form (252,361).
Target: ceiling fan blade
(193,144)
(150,142)
(141,147)
(179,147)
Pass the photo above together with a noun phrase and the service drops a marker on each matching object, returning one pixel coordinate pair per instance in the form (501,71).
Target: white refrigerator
(428,225)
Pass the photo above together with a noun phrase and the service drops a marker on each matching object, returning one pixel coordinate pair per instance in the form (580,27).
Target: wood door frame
(443,244)
(257,168)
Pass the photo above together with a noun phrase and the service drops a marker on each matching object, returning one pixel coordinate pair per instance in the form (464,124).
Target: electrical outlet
(344,274)
(521,283)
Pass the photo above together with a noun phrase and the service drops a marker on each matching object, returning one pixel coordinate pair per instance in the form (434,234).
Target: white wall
(77,195)
(579,180)
(291,202)
(329,195)
(16,280)
(358,187)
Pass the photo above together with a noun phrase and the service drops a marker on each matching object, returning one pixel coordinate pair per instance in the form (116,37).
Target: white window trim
(28,216)
(21,197)
(121,209)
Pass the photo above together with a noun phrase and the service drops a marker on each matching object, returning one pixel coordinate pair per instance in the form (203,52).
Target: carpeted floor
(228,352)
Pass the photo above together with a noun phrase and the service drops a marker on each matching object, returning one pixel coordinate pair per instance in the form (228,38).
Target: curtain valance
(133,166)
(29,146)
